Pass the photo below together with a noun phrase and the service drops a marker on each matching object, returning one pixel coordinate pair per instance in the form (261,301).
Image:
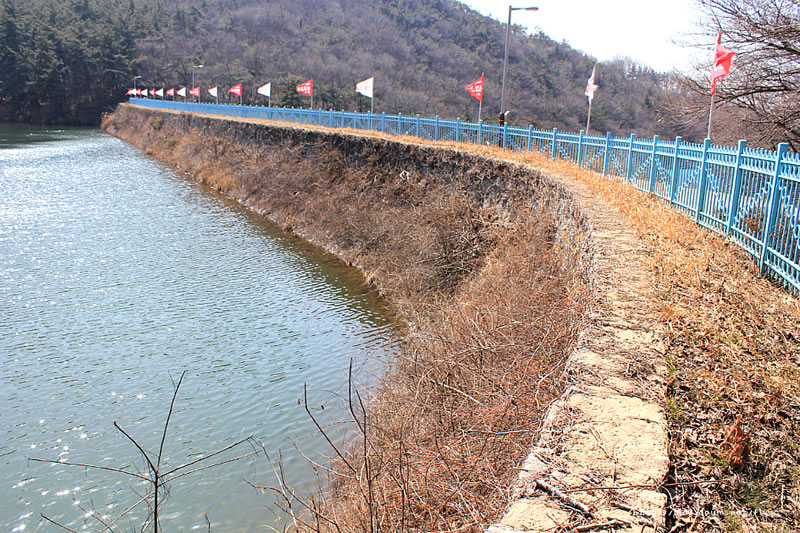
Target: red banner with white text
(306,88)
(475,88)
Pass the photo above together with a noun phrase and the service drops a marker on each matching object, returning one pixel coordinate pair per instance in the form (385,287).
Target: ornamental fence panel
(750,195)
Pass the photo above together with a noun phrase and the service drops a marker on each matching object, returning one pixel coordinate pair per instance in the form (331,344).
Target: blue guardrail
(750,195)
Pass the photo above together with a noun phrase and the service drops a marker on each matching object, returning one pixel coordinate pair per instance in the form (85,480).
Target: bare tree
(764,85)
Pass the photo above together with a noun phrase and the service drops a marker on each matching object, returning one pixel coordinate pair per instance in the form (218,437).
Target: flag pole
(480,108)
(710,114)
(589,116)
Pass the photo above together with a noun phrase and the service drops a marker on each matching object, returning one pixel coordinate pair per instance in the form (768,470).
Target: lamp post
(505,57)
(194,67)
(134,84)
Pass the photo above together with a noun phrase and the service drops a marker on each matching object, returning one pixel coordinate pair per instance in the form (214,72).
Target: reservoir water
(116,275)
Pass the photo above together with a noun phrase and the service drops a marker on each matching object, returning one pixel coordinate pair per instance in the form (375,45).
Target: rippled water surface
(115,276)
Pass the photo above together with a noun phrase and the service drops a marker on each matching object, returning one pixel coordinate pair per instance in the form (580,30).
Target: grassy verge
(733,358)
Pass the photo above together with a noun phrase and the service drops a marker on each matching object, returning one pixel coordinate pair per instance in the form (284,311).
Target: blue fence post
(580,148)
(774,199)
(505,134)
(480,132)
(673,189)
(629,162)
(606,155)
(703,180)
(436,129)
(652,184)
(418,125)
(400,130)
(530,137)
(458,129)
(383,122)
(554,144)
(733,208)
(341,115)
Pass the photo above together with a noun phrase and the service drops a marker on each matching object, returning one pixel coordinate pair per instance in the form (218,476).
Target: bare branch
(209,456)
(226,461)
(95,467)
(324,433)
(62,526)
(141,450)
(169,415)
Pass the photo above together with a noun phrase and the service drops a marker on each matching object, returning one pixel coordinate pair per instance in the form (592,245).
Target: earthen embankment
(528,325)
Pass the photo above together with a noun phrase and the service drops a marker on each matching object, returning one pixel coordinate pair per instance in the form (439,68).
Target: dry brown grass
(462,407)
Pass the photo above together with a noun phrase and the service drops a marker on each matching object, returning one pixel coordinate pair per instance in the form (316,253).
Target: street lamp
(194,67)
(134,84)
(505,58)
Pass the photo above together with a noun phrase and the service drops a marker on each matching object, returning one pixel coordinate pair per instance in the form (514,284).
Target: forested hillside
(71,60)
(63,62)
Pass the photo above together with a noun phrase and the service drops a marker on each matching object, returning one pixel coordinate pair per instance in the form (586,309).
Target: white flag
(590,86)
(144,92)
(182,92)
(365,87)
(160,92)
(266,90)
(213,92)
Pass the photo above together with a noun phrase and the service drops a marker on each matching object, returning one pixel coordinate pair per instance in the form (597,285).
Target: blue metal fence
(750,195)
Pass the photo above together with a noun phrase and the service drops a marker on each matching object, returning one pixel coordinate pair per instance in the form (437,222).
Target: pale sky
(640,29)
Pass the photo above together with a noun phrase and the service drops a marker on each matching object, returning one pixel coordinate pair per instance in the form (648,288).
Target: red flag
(171,92)
(723,59)
(130,92)
(138,92)
(195,92)
(476,88)
(306,88)
(236,89)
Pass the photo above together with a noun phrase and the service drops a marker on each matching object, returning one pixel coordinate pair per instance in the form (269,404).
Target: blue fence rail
(748,194)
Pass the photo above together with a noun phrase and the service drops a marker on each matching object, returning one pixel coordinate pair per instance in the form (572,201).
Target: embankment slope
(527,304)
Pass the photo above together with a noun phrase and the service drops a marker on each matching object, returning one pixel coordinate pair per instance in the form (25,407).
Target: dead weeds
(462,407)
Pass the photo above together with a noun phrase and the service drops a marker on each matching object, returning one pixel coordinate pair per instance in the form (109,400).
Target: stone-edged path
(603,446)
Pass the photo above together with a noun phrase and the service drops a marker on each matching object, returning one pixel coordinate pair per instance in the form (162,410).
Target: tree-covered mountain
(69,60)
